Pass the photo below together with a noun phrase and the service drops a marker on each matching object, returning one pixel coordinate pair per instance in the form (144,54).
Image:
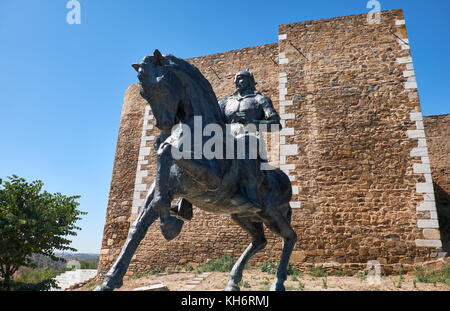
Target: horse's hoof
(108,285)
(279,287)
(231,287)
(171,227)
(102,288)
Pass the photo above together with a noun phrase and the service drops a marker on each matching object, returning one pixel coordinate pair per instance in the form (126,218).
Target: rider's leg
(207,173)
(251,179)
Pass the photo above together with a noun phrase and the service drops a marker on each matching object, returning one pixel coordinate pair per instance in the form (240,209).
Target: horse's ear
(136,67)
(158,59)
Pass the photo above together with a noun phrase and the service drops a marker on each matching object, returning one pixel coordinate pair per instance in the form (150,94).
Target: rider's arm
(270,117)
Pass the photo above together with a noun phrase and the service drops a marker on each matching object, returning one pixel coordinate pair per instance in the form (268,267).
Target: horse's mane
(203,99)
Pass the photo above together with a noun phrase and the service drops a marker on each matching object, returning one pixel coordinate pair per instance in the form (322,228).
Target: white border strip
(139,186)
(286,149)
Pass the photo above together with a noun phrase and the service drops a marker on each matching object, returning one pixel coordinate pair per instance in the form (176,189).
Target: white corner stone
(282,37)
(286,103)
(428,243)
(425,160)
(287,150)
(416,134)
(410,85)
(416,116)
(428,224)
(287,167)
(419,152)
(145,151)
(295,204)
(284,61)
(433,215)
(294,190)
(421,169)
(429,197)
(428,178)
(399,22)
(427,206)
(419,125)
(287,116)
(424,187)
(287,131)
(409,73)
(422,143)
(404,60)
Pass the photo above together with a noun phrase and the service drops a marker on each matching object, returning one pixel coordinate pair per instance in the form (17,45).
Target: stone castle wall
(437,129)
(353,145)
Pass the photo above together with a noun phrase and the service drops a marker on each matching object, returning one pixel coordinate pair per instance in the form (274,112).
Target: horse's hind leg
(138,229)
(279,222)
(256,230)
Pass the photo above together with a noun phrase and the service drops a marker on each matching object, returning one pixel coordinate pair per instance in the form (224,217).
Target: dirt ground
(255,280)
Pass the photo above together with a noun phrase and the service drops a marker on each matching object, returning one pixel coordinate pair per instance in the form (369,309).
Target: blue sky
(62,85)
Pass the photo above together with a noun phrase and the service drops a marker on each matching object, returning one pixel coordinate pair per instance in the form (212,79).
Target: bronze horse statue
(178,94)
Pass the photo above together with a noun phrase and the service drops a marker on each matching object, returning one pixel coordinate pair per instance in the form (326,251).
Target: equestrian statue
(235,181)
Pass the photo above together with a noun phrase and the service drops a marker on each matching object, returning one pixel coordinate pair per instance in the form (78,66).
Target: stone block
(428,243)
(427,206)
(410,85)
(428,224)
(295,204)
(404,60)
(152,288)
(424,188)
(419,152)
(416,116)
(416,134)
(431,234)
(421,169)
(287,150)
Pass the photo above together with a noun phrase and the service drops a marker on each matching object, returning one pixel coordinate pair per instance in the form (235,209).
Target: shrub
(425,276)
(224,264)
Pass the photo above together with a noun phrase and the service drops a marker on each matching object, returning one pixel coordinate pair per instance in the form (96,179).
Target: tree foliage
(33,221)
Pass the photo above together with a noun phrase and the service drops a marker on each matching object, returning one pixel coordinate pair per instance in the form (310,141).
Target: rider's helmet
(247,74)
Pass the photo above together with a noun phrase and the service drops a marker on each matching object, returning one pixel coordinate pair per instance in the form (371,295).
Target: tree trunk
(7,282)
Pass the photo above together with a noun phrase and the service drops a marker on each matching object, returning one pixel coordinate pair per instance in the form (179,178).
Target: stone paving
(70,278)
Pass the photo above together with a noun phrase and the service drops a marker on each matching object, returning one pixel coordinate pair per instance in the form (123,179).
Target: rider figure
(246,107)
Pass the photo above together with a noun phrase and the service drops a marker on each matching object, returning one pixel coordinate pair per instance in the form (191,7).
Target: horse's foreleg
(170,226)
(278,220)
(138,229)
(290,237)
(161,200)
(256,230)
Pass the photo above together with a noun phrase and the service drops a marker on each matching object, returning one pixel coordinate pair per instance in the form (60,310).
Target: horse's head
(161,88)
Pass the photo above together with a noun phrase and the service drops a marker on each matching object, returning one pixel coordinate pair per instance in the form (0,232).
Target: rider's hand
(240,117)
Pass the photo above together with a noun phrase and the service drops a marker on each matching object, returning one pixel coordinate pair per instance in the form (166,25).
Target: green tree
(33,221)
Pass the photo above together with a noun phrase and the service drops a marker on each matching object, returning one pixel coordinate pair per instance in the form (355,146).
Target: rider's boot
(183,209)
